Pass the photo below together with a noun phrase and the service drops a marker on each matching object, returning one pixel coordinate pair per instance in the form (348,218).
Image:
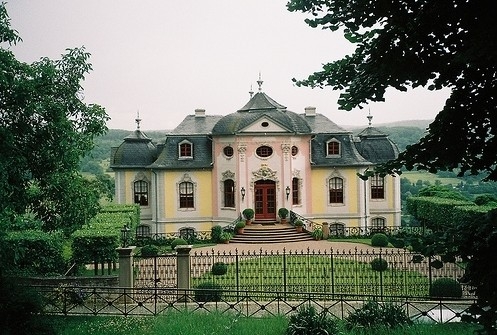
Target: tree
(45,129)
(434,44)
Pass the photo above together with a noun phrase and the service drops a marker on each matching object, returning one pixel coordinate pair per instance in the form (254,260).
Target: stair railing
(309,225)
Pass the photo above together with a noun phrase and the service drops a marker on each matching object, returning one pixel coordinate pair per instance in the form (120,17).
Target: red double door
(265,200)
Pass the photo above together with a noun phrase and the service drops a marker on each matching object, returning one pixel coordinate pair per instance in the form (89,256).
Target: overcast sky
(166,58)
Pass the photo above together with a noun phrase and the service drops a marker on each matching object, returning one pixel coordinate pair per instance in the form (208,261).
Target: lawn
(198,323)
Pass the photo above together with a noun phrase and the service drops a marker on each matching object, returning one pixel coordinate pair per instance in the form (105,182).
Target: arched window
(185,150)
(333,148)
(377,187)
(186,195)
(140,190)
(143,231)
(336,190)
(295,191)
(229,193)
(377,225)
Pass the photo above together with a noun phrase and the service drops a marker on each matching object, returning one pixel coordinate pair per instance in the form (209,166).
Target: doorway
(265,200)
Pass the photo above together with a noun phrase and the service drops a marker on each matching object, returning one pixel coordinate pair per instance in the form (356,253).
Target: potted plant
(317,234)
(283,214)
(225,237)
(248,214)
(299,225)
(240,225)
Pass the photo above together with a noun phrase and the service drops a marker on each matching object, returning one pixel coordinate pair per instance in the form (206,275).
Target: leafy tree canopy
(45,129)
(434,44)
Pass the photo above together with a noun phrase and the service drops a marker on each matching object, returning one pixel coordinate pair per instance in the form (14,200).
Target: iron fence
(331,271)
(76,300)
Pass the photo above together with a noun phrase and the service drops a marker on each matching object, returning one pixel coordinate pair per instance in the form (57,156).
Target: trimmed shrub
(149,251)
(379,264)
(445,288)
(178,241)
(216,232)
(219,269)
(248,213)
(379,240)
(208,291)
(373,314)
(307,321)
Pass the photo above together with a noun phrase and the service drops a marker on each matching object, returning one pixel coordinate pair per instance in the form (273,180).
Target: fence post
(126,267)
(183,277)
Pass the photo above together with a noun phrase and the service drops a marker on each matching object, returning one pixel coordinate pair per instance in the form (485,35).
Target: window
(143,231)
(265,124)
(336,190)
(228,151)
(295,151)
(140,190)
(185,150)
(264,151)
(187,234)
(295,191)
(377,225)
(186,195)
(229,193)
(377,187)
(333,148)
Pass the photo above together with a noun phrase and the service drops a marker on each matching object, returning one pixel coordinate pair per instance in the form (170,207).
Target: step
(277,233)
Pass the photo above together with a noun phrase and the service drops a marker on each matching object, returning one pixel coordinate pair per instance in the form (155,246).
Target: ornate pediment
(264,173)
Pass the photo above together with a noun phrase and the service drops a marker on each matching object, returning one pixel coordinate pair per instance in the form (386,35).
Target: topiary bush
(208,291)
(379,240)
(219,269)
(307,321)
(373,314)
(149,250)
(216,232)
(178,241)
(445,288)
(379,264)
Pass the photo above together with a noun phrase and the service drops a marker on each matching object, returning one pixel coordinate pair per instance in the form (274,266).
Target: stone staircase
(270,232)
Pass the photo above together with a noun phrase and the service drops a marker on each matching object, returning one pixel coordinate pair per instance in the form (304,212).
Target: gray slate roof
(137,150)
(375,146)
(349,156)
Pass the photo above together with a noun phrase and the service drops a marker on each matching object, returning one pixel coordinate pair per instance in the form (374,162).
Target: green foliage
(219,268)
(317,234)
(445,288)
(299,223)
(441,192)
(93,245)
(283,213)
(486,200)
(178,241)
(216,232)
(307,321)
(379,264)
(225,236)
(374,314)
(240,224)
(379,240)
(248,213)
(149,250)
(33,253)
(208,291)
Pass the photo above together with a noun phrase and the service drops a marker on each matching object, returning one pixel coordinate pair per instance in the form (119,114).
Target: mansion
(210,168)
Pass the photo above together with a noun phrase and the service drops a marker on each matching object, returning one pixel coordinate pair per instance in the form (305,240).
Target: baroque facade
(211,167)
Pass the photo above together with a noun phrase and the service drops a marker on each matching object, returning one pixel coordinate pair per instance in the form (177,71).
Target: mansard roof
(137,150)
(375,146)
(169,154)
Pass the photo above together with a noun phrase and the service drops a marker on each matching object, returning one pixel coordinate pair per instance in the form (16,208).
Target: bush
(149,251)
(208,291)
(446,288)
(248,213)
(219,268)
(240,224)
(379,240)
(283,213)
(379,264)
(308,322)
(216,232)
(178,241)
(317,234)
(372,314)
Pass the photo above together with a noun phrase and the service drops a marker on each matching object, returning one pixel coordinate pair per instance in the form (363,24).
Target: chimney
(310,111)
(199,112)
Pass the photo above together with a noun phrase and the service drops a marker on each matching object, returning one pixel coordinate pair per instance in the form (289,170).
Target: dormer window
(333,148)
(185,150)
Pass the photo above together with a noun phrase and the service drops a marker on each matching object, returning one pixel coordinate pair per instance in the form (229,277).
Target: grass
(414,176)
(178,323)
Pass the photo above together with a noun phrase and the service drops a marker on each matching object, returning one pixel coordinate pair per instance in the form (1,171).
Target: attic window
(228,151)
(265,124)
(264,151)
(185,150)
(333,148)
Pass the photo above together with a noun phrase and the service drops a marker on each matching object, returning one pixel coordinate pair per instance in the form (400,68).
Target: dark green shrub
(178,241)
(208,291)
(216,232)
(307,321)
(446,288)
(379,264)
(379,240)
(283,213)
(248,213)
(149,251)
(219,268)
(373,314)
(397,242)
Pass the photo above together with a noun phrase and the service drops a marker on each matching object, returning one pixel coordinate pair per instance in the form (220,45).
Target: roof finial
(138,120)
(259,82)
(251,92)
(370,117)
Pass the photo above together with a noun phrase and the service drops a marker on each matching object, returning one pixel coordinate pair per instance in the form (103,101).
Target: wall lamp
(242,191)
(287,191)
(124,236)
